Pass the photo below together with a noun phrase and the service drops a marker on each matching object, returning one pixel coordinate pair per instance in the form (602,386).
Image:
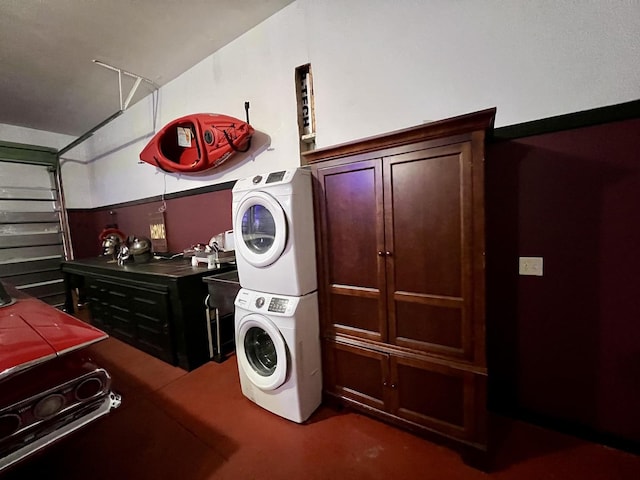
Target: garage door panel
(31,229)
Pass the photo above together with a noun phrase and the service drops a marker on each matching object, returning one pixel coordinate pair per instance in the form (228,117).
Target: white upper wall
(377,66)
(381,65)
(29,136)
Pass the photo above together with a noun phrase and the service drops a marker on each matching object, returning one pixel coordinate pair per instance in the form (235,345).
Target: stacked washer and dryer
(276,310)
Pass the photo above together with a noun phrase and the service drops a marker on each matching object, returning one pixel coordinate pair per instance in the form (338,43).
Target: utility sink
(223,288)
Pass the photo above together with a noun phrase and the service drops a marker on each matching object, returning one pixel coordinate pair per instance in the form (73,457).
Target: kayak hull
(198,142)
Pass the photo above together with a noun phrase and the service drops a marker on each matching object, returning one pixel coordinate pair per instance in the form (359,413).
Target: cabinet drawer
(96,297)
(154,305)
(122,321)
(151,313)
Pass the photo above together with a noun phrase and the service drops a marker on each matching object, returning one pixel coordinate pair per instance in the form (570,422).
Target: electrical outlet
(530,266)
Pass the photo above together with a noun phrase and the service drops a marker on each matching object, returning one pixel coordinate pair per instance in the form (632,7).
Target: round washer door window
(263,229)
(262,352)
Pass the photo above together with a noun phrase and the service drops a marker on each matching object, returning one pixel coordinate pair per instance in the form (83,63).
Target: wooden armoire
(401,266)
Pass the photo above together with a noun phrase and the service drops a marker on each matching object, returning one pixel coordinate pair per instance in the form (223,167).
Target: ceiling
(48,79)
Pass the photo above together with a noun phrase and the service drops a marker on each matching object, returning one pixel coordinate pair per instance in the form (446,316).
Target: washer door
(262,352)
(262,227)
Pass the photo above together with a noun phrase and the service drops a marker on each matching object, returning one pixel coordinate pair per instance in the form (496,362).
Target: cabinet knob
(393,385)
(380,253)
(388,254)
(384,383)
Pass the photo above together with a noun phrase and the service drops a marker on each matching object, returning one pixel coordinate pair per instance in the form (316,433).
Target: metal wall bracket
(138,79)
(123,103)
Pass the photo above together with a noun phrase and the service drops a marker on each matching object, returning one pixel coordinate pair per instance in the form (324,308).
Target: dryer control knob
(257,179)
(259,302)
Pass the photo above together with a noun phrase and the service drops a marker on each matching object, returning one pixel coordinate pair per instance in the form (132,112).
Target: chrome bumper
(111,401)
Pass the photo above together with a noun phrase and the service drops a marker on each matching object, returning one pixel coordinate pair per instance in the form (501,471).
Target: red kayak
(197,142)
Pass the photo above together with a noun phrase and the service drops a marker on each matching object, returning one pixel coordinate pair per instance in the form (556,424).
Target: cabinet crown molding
(480,120)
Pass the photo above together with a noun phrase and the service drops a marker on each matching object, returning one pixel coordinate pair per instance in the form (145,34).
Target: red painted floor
(197,425)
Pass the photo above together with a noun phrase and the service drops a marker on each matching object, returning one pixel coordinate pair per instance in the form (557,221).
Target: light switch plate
(530,266)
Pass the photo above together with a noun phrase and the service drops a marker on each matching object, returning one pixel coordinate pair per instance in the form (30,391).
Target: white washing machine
(278,352)
(274,232)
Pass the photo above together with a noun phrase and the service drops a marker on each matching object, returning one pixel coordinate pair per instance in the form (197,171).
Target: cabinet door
(356,374)
(439,397)
(429,243)
(352,233)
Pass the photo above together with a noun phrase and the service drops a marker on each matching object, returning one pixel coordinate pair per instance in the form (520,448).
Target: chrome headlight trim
(83,398)
(44,404)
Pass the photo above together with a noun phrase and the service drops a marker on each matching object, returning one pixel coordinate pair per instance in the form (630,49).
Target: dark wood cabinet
(138,316)
(400,227)
(157,307)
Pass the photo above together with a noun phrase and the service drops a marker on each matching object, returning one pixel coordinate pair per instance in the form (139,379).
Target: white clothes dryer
(274,232)
(278,352)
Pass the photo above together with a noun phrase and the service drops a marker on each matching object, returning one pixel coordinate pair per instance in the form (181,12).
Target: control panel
(279,305)
(281,176)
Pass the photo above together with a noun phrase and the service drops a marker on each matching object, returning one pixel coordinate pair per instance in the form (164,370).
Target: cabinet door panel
(352,218)
(437,397)
(428,326)
(356,315)
(350,214)
(424,206)
(358,374)
(428,234)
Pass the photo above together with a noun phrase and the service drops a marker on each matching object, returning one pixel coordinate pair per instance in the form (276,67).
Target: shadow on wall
(548,337)
(501,203)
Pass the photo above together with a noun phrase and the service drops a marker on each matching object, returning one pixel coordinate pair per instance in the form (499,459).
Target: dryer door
(262,352)
(262,229)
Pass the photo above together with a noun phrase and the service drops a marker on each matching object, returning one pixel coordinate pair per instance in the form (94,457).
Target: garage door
(31,236)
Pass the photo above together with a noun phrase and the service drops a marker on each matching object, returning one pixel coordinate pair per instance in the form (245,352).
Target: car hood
(32,332)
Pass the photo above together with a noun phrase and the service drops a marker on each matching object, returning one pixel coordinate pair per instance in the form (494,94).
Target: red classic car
(49,387)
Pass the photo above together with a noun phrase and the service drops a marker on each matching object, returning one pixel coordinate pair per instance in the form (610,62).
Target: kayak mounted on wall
(198,142)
